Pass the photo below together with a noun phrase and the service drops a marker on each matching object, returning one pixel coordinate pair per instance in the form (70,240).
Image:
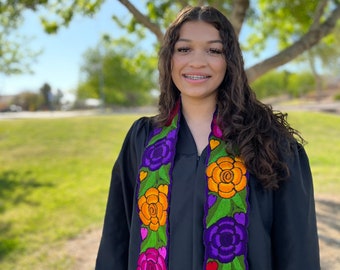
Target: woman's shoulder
(140,130)
(143,124)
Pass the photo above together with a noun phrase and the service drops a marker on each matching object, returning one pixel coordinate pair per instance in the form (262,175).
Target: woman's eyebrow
(210,41)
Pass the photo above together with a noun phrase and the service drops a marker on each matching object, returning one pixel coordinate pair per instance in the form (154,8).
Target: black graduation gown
(282,224)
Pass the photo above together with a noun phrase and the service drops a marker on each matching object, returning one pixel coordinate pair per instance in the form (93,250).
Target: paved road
(332,107)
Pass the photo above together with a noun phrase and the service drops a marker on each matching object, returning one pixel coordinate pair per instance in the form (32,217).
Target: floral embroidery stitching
(153,196)
(226,207)
(152,259)
(153,207)
(227,238)
(226,176)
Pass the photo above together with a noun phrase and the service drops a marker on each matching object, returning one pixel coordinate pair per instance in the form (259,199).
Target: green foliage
(277,83)
(271,84)
(15,52)
(50,27)
(64,11)
(16,55)
(300,84)
(124,74)
(281,20)
(162,12)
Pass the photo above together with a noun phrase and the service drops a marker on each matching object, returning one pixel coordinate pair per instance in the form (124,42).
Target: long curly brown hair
(251,129)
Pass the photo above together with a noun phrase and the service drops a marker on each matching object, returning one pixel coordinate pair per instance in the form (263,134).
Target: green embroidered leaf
(159,136)
(148,182)
(240,203)
(154,179)
(163,175)
(155,239)
(149,241)
(162,237)
(219,210)
(217,153)
(225,266)
(165,131)
(238,263)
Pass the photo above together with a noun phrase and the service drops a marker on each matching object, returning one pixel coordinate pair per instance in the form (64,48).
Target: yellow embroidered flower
(226,176)
(142,175)
(153,207)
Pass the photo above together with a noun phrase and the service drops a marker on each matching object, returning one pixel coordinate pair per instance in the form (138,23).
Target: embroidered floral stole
(226,208)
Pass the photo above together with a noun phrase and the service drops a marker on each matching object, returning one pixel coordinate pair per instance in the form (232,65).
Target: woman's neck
(199,117)
(198,111)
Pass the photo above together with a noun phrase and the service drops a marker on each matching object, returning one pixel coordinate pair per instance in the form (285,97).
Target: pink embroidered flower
(151,259)
(216,131)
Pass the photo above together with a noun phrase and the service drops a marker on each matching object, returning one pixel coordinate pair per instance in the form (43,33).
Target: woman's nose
(198,59)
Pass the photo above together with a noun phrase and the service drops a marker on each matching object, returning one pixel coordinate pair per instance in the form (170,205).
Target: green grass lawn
(54,179)
(322,133)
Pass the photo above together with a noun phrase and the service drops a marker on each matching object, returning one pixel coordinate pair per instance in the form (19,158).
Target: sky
(62,56)
(62,53)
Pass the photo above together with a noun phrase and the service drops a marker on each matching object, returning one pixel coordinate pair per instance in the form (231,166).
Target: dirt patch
(83,249)
(328,217)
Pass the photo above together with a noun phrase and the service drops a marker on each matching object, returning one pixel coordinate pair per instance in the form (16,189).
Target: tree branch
(238,14)
(183,3)
(311,38)
(318,13)
(143,20)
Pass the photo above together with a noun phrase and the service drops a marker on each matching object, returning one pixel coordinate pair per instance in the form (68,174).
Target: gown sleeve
(294,236)
(114,244)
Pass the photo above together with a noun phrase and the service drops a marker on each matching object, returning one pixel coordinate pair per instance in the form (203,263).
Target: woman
(217,179)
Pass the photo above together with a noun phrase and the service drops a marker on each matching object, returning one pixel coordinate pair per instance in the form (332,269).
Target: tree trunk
(238,14)
(317,77)
(310,39)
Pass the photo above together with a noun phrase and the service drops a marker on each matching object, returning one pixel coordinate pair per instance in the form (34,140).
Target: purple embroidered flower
(211,200)
(155,131)
(151,259)
(159,153)
(227,238)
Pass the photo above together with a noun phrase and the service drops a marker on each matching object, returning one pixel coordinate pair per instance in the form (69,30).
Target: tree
(118,75)
(15,54)
(46,92)
(296,25)
(327,53)
(29,101)
(279,83)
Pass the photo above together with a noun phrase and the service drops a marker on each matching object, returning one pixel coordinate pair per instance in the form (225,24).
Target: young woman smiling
(216,180)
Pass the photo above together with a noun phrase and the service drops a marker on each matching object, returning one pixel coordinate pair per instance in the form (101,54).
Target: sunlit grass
(322,132)
(54,179)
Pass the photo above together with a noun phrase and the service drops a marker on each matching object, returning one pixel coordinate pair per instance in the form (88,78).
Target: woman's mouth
(196,77)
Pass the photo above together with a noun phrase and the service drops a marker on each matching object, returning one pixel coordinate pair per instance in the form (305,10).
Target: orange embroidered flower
(153,207)
(226,176)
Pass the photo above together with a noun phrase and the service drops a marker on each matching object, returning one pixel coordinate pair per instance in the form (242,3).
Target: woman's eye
(183,50)
(214,51)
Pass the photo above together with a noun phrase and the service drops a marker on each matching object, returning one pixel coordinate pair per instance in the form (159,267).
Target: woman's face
(198,62)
